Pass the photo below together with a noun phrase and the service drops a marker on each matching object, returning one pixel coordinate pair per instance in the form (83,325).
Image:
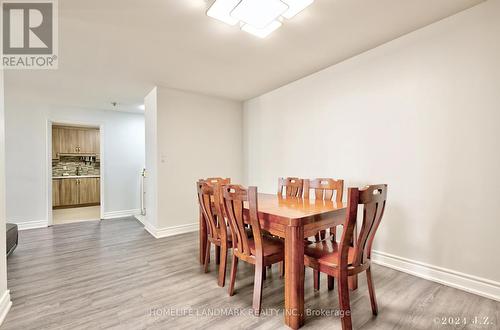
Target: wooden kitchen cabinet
(69,192)
(74,140)
(89,189)
(56,192)
(75,192)
(88,141)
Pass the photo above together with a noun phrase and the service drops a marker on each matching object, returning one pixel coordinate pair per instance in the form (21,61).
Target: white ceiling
(117,50)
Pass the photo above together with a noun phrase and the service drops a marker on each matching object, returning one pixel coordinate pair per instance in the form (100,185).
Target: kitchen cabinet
(68,194)
(75,192)
(75,140)
(89,191)
(88,141)
(56,192)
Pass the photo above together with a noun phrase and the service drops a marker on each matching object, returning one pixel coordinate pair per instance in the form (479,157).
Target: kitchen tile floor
(77,214)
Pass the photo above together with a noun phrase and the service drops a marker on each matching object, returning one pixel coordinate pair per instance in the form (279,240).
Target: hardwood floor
(112,274)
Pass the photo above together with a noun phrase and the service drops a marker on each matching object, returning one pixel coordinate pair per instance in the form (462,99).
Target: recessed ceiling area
(117,50)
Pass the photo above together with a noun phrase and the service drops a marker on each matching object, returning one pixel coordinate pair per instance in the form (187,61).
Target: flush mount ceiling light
(221,10)
(258,17)
(295,7)
(259,13)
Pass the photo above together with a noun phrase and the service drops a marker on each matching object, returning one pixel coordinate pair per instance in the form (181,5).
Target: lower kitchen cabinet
(75,192)
(89,191)
(56,192)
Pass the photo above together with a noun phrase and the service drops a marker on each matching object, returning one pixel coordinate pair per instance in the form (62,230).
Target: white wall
(151,196)
(5,302)
(198,136)
(422,114)
(26,151)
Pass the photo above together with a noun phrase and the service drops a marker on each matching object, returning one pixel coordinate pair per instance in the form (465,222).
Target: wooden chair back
(216,224)
(292,187)
(324,189)
(220,181)
(373,199)
(233,199)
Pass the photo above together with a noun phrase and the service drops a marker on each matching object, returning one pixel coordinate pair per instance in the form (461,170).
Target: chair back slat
(214,221)
(292,187)
(233,198)
(373,199)
(324,189)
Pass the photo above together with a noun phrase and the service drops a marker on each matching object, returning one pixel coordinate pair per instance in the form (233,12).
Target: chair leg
(264,273)
(257,288)
(331,283)
(316,277)
(217,254)
(222,266)
(282,269)
(353,282)
(234,268)
(371,290)
(344,303)
(207,257)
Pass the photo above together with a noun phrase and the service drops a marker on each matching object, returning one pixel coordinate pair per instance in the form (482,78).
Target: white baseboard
(170,231)
(5,304)
(141,218)
(31,224)
(473,284)
(121,214)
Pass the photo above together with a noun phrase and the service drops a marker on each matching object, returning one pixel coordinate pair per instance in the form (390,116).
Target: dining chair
(259,250)
(324,189)
(220,181)
(214,181)
(343,259)
(291,187)
(216,228)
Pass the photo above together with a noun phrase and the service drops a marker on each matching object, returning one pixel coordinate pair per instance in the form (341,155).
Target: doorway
(75,172)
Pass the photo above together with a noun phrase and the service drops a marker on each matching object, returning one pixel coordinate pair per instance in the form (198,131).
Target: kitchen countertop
(75,176)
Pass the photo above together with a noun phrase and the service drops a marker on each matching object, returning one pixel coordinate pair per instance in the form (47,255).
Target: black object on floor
(11,238)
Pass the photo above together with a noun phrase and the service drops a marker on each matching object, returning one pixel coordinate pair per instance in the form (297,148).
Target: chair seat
(326,253)
(270,246)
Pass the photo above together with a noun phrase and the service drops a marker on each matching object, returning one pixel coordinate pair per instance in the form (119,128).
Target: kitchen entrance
(76,173)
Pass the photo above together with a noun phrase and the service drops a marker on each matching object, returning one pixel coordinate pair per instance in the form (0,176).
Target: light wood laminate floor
(113,274)
(76,214)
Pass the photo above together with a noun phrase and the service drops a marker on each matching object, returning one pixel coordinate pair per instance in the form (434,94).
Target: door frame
(50,123)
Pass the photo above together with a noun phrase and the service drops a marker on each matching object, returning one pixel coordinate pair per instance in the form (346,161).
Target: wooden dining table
(293,219)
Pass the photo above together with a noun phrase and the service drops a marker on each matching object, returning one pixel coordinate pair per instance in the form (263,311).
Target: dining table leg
(294,276)
(203,238)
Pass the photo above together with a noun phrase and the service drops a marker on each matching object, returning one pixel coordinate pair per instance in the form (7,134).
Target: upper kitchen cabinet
(88,141)
(74,140)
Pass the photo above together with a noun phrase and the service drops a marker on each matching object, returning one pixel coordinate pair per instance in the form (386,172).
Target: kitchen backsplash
(69,165)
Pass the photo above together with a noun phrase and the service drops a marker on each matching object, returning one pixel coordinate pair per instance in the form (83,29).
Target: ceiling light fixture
(295,7)
(261,33)
(258,17)
(259,13)
(221,10)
